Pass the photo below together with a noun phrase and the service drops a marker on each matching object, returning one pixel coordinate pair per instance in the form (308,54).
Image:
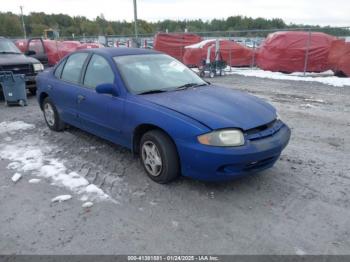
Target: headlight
(38,67)
(228,137)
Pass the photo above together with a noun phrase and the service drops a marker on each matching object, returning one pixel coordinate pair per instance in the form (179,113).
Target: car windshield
(155,73)
(8,47)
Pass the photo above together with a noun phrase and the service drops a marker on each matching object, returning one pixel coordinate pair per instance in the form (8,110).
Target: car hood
(217,107)
(13,59)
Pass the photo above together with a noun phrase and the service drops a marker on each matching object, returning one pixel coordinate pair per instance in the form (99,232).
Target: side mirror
(30,52)
(107,88)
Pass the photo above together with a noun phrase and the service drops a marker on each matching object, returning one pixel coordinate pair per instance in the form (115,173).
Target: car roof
(111,51)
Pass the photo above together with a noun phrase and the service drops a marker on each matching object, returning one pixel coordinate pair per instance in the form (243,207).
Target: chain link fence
(238,43)
(232,54)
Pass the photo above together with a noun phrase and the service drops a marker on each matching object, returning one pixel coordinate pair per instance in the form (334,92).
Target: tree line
(37,22)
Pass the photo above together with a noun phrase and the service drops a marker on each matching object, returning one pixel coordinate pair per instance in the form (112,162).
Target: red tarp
(339,57)
(90,45)
(232,53)
(174,44)
(55,50)
(285,52)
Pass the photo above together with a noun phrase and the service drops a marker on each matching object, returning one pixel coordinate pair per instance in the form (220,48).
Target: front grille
(265,130)
(261,128)
(25,69)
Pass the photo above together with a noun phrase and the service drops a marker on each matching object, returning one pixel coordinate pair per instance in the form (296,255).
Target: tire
(32,91)
(21,103)
(202,74)
(52,119)
(211,74)
(165,150)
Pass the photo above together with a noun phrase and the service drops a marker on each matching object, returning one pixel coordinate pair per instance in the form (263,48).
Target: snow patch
(71,180)
(321,101)
(308,106)
(34,181)
(93,190)
(84,198)
(16,177)
(13,165)
(87,204)
(61,198)
(31,157)
(327,77)
(299,251)
(26,159)
(14,126)
(139,194)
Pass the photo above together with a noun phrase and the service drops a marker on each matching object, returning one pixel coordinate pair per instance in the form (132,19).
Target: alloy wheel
(49,114)
(151,158)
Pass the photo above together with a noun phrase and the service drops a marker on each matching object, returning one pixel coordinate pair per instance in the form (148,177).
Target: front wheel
(51,115)
(159,157)
(32,91)
(22,103)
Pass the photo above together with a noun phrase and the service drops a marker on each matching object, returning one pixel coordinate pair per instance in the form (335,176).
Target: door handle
(81,98)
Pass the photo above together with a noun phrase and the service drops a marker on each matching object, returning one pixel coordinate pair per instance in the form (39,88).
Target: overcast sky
(322,12)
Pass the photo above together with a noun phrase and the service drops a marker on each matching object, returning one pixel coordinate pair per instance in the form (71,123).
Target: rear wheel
(159,157)
(51,115)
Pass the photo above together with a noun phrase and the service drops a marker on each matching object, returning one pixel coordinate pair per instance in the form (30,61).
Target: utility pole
(135,22)
(23,25)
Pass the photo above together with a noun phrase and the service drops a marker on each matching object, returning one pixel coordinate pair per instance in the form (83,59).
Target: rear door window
(73,67)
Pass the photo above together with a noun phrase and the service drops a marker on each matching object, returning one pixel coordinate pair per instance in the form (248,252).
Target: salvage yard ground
(300,206)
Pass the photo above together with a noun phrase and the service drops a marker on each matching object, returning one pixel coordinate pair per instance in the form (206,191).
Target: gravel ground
(300,206)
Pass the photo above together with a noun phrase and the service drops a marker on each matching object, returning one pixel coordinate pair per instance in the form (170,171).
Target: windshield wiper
(182,87)
(154,91)
(6,52)
(188,85)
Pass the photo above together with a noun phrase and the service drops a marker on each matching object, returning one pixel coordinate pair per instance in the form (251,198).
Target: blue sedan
(160,109)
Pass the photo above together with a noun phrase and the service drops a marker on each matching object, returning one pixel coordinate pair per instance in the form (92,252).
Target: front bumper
(225,163)
(30,81)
